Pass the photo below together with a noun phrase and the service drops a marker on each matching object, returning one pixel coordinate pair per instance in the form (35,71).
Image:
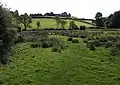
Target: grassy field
(74,66)
(51,23)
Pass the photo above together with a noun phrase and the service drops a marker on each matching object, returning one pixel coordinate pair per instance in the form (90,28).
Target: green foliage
(6,34)
(115,50)
(15,19)
(57,18)
(73,26)
(75,41)
(113,20)
(51,23)
(35,45)
(38,24)
(82,27)
(96,43)
(25,20)
(92,47)
(63,23)
(108,44)
(70,39)
(19,39)
(99,21)
(56,49)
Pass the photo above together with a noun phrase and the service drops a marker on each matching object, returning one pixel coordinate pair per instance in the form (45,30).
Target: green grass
(51,23)
(74,66)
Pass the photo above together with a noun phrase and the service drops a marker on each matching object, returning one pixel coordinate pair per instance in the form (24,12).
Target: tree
(25,20)
(57,18)
(38,24)
(63,23)
(6,33)
(113,21)
(69,15)
(73,26)
(99,21)
(15,19)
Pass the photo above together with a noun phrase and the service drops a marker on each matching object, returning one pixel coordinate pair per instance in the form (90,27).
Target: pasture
(76,65)
(51,23)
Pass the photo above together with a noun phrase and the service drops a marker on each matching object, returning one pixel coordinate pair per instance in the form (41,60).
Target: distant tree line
(64,14)
(112,21)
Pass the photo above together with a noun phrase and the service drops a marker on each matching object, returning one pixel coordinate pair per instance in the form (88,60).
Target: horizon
(80,9)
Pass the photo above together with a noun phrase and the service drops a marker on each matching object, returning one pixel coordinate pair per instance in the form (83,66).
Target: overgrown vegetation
(6,34)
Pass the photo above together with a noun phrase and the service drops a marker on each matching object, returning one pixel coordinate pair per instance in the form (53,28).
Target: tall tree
(38,24)
(73,26)
(57,18)
(113,21)
(99,21)
(25,20)
(6,33)
(63,23)
(15,19)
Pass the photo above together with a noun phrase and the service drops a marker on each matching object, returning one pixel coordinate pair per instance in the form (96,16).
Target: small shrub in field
(108,44)
(75,41)
(83,36)
(82,27)
(91,47)
(56,49)
(35,45)
(45,44)
(85,41)
(96,43)
(70,39)
(19,39)
(115,50)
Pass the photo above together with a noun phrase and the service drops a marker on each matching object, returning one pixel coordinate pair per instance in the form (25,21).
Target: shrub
(91,47)
(85,41)
(56,49)
(75,41)
(96,43)
(19,39)
(6,34)
(108,44)
(115,50)
(35,45)
(70,39)
(45,44)
(19,29)
(82,27)
(83,36)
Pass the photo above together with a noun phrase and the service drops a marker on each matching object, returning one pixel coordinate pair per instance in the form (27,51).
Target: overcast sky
(78,8)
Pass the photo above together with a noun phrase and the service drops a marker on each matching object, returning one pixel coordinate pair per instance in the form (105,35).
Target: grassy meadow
(76,65)
(51,23)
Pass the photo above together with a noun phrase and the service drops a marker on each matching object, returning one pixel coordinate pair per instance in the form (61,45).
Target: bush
(115,50)
(91,47)
(83,36)
(56,49)
(6,34)
(75,41)
(70,39)
(82,27)
(19,29)
(19,39)
(108,44)
(85,41)
(35,45)
(96,43)
(45,44)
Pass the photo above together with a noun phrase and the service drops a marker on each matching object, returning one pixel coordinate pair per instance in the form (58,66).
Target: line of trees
(112,21)
(24,19)
(64,14)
